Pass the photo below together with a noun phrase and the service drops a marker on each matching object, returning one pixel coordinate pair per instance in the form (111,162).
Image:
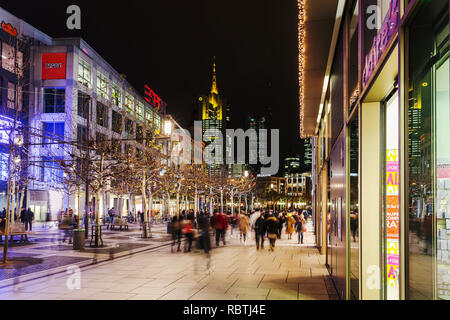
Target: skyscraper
(213,109)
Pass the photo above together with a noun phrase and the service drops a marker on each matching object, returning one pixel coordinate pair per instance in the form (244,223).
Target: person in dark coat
(272,231)
(260,231)
(281,220)
(30,218)
(175,229)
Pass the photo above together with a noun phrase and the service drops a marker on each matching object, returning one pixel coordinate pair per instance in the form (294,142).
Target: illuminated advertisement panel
(53,66)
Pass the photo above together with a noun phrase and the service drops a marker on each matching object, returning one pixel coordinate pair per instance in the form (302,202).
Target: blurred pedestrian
(188,231)
(272,225)
(290,225)
(280,224)
(244,225)
(260,231)
(300,227)
(175,229)
(219,223)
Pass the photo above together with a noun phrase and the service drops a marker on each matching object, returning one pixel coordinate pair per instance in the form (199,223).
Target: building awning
(317,21)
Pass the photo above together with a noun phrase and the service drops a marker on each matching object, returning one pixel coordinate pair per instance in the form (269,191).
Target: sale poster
(392,224)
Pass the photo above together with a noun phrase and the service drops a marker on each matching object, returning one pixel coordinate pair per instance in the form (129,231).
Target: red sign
(9,28)
(53,66)
(152,98)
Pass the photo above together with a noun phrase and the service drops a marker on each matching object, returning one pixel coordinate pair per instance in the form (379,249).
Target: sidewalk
(237,272)
(45,253)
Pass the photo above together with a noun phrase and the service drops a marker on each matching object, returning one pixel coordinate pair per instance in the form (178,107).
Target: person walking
(272,224)
(175,229)
(300,227)
(30,218)
(188,231)
(244,225)
(260,231)
(290,224)
(220,226)
(281,221)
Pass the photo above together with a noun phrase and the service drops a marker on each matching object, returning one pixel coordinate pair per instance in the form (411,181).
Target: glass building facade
(382,152)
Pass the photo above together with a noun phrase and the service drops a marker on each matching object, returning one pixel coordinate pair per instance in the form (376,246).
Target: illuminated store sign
(53,66)
(381,41)
(9,28)
(154,100)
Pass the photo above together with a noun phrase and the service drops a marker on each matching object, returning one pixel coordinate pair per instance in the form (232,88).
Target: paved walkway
(45,253)
(237,272)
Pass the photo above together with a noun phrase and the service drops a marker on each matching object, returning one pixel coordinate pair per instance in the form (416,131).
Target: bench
(118,222)
(18,229)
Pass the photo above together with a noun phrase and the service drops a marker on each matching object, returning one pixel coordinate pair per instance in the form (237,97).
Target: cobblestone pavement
(45,253)
(236,272)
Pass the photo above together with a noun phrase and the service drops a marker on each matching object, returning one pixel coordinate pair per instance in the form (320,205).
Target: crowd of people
(265,224)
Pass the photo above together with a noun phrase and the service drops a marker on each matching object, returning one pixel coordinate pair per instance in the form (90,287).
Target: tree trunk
(232,202)
(144,205)
(221,200)
(195,202)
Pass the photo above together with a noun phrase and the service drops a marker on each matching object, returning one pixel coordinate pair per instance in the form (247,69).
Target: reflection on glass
(354,209)
(429,155)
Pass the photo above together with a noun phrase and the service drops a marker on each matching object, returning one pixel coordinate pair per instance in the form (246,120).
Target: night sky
(170,44)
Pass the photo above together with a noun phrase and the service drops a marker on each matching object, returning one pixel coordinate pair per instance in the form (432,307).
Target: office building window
(116,95)
(116,122)
(129,103)
(140,110)
(129,128)
(8,57)
(82,136)
(84,102)
(12,96)
(157,122)
(102,115)
(54,100)
(52,171)
(149,116)
(53,134)
(139,134)
(84,73)
(102,85)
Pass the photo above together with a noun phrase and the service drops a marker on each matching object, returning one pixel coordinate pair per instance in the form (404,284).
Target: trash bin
(78,239)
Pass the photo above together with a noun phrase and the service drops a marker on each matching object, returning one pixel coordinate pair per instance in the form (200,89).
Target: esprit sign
(154,100)
(381,41)
(9,28)
(53,66)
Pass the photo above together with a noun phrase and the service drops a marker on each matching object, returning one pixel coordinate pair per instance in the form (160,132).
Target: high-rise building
(256,123)
(213,110)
